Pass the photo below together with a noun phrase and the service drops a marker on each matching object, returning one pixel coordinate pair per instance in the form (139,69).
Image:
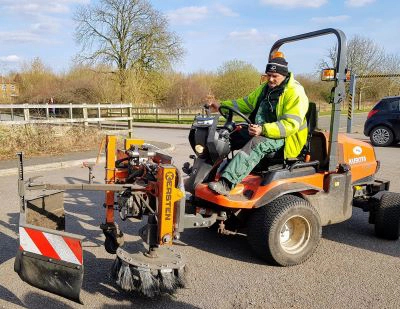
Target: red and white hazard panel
(57,247)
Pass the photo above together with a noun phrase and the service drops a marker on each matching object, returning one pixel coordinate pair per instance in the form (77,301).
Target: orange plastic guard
(168,195)
(129,142)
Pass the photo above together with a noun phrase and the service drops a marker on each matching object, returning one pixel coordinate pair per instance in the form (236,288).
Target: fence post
(70,111)
(179,115)
(157,111)
(85,115)
(99,115)
(47,111)
(26,112)
(130,121)
(12,114)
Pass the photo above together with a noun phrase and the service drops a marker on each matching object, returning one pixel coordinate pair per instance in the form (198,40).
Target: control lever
(206,108)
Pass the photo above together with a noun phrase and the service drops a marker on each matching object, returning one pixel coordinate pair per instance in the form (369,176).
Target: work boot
(223,186)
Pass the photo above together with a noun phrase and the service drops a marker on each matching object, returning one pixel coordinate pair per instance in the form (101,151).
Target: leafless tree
(130,35)
(365,57)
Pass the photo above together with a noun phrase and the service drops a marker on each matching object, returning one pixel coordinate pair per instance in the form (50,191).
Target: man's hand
(255,130)
(212,103)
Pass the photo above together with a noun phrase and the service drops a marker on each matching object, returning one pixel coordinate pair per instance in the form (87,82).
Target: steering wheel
(229,114)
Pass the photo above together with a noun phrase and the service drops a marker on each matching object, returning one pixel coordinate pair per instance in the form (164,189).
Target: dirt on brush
(37,140)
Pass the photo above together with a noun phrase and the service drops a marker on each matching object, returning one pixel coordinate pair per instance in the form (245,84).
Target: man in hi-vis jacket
(278,110)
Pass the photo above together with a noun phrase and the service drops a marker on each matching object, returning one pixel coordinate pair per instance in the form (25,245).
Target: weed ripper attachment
(159,269)
(138,184)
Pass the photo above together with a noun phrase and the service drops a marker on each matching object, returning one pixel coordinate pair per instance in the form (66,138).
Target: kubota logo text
(169,177)
(357,160)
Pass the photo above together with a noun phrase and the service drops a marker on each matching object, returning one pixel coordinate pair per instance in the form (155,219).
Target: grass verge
(37,140)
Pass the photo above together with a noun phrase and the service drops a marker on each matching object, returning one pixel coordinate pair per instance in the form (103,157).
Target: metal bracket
(197,220)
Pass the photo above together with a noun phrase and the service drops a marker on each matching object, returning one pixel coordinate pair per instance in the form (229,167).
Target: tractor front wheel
(285,232)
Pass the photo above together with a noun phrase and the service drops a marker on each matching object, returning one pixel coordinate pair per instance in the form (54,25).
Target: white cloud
(330,19)
(10,58)
(358,3)
(224,10)
(249,34)
(188,15)
(252,35)
(19,37)
(45,27)
(296,3)
(41,6)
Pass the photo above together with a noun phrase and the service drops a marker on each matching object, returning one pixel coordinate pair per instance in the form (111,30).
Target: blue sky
(212,31)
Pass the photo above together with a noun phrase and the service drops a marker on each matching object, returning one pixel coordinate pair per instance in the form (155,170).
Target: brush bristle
(142,280)
(180,275)
(168,284)
(115,268)
(125,280)
(149,285)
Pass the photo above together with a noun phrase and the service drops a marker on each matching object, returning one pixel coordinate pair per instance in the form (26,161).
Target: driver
(277,110)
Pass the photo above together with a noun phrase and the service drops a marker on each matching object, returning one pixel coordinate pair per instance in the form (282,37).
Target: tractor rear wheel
(285,232)
(387,216)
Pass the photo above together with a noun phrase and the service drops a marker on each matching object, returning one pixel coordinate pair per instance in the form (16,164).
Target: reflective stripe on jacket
(291,110)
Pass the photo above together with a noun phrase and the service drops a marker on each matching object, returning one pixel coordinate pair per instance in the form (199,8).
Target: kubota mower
(281,205)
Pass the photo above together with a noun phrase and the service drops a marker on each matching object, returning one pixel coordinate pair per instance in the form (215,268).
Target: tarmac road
(350,269)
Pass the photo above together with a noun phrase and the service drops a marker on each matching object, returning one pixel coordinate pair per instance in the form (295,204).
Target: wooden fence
(104,115)
(160,114)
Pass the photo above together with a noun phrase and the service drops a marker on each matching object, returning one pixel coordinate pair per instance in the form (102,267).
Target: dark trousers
(251,151)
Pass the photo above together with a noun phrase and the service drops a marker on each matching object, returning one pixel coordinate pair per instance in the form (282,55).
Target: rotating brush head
(149,279)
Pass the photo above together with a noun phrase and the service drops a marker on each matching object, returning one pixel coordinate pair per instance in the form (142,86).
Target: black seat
(312,118)
(312,123)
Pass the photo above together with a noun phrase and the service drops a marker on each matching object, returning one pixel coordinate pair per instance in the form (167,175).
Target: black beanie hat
(277,65)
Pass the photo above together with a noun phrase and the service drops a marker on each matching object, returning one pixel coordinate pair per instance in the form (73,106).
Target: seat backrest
(311,116)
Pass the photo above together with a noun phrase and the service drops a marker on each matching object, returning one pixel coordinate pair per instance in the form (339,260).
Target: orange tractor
(281,205)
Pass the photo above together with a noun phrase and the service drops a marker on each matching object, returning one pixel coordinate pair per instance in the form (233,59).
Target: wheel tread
(264,218)
(387,217)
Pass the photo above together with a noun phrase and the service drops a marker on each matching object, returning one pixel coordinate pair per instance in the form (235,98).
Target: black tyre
(387,216)
(381,136)
(285,232)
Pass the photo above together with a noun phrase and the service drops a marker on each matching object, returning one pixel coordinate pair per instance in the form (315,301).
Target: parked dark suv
(383,122)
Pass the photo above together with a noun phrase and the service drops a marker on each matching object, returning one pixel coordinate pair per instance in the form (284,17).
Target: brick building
(8,90)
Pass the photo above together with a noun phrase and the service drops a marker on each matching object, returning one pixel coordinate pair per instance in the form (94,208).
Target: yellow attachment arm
(168,196)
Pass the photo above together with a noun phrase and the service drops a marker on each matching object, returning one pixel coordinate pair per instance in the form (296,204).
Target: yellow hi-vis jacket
(291,112)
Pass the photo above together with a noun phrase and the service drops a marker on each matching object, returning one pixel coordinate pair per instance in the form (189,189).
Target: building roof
(5,80)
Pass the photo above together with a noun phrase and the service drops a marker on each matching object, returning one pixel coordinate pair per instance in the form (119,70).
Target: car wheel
(285,232)
(387,216)
(381,136)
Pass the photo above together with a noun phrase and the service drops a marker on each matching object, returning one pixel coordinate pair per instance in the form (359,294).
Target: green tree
(235,79)
(129,35)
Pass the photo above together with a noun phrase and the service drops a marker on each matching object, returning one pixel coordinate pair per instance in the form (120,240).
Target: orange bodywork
(165,188)
(252,183)
(111,145)
(360,156)
(114,174)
